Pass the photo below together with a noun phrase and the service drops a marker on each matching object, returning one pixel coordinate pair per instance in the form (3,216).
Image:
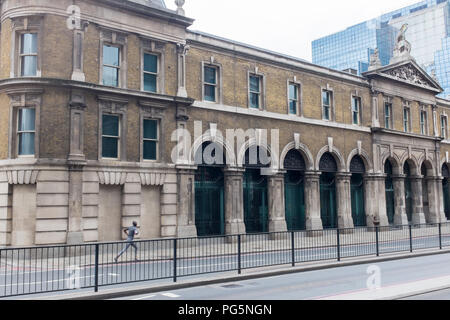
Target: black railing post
(174,260)
(293,248)
(377,229)
(97,247)
(440,235)
(338,245)
(239,254)
(410,239)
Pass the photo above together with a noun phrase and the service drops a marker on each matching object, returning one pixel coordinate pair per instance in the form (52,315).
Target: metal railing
(47,269)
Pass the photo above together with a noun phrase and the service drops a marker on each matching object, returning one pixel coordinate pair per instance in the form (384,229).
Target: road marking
(392,291)
(170,295)
(146,297)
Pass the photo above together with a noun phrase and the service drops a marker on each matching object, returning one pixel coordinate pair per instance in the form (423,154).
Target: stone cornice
(406,134)
(23,84)
(221,45)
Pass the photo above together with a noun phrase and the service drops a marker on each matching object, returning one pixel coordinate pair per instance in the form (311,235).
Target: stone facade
(67,192)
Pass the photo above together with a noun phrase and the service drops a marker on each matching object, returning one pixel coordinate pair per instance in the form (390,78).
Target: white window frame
(157,140)
(444,126)
(390,123)
(423,120)
(157,74)
(330,106)
(407,127)
(18,133)
(298,87)
(218,85)
(22,55)
(118,40)
(359,99)
(119,68)
(115,137)
(262,86)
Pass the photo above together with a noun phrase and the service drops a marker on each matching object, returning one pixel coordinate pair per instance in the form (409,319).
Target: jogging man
(131,232)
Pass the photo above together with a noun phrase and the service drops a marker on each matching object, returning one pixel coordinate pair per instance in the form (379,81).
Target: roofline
(198,37)
(151,11)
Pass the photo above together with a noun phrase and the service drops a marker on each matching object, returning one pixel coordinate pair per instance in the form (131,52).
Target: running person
(131,232)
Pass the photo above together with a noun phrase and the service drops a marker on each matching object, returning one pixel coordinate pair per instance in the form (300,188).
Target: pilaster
(400,217)
(312,201)
(418,215)
(234,201)
(277,211)
(186,202)
(344,200)
(375,205)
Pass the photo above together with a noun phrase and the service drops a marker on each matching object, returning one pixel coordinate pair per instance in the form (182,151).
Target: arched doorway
(294,190)
(357,168)
(209,191)
(256,213)
(408,191)
(425,201)
(389,187)
(446,189)
(328,209)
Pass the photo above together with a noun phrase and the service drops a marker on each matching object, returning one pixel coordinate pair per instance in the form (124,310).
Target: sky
(283,26)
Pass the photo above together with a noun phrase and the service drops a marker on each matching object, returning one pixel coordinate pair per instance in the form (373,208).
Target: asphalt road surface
(337,284)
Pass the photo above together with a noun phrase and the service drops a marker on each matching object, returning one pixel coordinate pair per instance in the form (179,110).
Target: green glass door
(408,192)
(328,200)
(209,205)
(295,201)
(390,204)
(255,202)
(357,192)
(446,190)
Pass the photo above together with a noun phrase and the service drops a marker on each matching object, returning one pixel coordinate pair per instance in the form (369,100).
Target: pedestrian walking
(131,232)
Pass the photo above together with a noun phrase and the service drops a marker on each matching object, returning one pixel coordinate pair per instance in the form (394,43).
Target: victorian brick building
(93,91)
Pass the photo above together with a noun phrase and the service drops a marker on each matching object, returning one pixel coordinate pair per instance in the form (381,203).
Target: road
(396,278)
(35,279)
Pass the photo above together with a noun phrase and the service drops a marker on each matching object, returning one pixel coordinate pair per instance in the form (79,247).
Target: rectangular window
(111,65)
(293,98)
(356,110)
(444,127)
(423,123)
(28,54)
(406,119)
(326,104)
(210,83)
(110,136)
(150,72)
(388,115)
(151,138)
(255,92)
(26,129)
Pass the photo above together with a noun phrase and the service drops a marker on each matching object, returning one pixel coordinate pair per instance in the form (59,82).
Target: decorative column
(76,163)
(375,206)
(234,201)
(436,200)
(344,200)
(375,113)
(182,51)
(418,216)
(312,201)
(186,202)
(400,217)
(277,211)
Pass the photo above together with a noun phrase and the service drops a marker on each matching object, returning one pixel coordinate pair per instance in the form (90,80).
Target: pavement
(390,292)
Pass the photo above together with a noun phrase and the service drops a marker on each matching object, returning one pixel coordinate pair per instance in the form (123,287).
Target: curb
(253,274)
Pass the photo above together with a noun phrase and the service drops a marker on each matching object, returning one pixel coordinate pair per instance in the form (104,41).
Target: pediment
(407,72)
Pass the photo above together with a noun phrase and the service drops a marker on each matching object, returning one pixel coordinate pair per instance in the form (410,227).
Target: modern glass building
(428,32)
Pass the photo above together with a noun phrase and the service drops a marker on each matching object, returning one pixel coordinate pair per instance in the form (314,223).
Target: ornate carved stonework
(410,74)
(22,176)
(153,179)
(112,178)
